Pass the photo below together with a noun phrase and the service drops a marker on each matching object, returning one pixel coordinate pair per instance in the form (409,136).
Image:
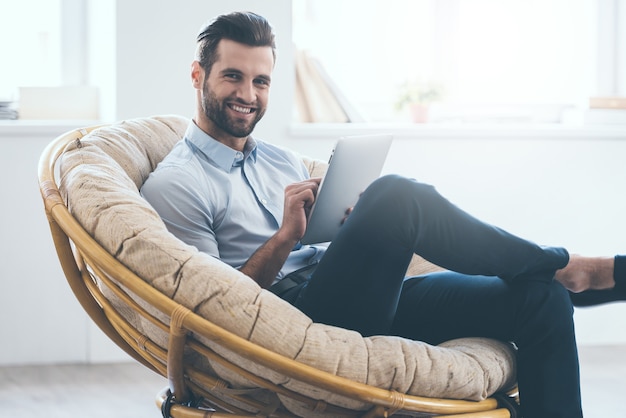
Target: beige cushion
(101,176)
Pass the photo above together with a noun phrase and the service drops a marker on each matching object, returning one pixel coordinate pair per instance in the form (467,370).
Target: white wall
(555,190)
(41,320)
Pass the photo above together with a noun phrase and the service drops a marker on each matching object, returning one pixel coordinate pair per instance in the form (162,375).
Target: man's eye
(262,82)
(232,76)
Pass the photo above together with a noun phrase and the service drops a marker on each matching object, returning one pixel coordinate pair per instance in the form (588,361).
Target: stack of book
(7,110)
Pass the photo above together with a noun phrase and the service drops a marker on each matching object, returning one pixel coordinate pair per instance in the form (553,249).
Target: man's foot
(587,273)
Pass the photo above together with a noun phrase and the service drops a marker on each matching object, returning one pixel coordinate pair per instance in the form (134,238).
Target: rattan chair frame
(87,266)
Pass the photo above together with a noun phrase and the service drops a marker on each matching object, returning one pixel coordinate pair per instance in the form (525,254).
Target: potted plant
(417,96)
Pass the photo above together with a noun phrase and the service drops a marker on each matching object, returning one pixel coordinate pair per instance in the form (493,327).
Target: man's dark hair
(244,27)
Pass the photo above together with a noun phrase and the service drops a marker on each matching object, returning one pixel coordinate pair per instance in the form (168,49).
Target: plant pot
(419,113)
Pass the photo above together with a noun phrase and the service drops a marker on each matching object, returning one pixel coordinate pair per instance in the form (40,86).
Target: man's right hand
(268,259)
(299,199)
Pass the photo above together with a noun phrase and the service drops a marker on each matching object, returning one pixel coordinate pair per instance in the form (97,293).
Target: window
(31,44)
(520,61)
(41,49)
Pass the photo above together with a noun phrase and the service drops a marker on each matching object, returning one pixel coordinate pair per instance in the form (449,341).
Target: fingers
(311,184)
(303,192)
(299,198)
(347,214)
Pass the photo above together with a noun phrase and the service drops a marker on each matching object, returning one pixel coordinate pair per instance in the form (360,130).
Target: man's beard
(217,112)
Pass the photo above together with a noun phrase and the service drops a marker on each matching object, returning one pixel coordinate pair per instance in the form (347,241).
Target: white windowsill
(25,128)
(460,131)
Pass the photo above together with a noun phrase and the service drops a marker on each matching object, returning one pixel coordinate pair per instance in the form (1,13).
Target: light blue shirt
(224,202)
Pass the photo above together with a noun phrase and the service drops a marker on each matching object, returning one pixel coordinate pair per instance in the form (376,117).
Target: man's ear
(197,75)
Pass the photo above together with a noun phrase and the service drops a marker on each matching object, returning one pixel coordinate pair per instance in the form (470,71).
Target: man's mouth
(241,109)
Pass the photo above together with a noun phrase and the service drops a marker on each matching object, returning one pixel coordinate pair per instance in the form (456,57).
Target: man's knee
(393,187)
(395,202)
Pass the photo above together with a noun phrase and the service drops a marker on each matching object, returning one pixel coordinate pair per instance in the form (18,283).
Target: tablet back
(355,162)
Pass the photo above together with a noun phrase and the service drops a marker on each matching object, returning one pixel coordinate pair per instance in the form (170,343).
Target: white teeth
(241,109)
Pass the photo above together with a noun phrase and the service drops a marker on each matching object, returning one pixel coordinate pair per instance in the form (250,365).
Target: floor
(128,390)
(125,390)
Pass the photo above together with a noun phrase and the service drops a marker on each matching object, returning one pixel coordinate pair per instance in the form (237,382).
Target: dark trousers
(497,286)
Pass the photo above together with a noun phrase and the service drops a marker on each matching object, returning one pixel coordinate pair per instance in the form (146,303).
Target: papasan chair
(227,347)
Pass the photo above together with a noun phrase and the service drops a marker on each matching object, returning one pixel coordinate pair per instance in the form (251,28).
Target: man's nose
(247,92)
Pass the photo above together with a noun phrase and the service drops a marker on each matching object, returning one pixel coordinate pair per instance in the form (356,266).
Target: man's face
(235,93)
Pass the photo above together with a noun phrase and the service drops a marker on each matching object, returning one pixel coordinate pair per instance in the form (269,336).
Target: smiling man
(246,202)
(237,198)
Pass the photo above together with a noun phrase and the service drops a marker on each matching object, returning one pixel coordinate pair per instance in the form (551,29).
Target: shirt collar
(223,156)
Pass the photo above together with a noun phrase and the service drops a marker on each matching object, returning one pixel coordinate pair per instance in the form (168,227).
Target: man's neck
(235,143)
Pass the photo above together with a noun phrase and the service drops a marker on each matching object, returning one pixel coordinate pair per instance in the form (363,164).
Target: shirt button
(264,201)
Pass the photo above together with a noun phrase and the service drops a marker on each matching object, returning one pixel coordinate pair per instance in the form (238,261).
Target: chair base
(508,407)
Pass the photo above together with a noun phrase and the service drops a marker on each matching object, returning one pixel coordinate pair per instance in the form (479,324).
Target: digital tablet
(355,162)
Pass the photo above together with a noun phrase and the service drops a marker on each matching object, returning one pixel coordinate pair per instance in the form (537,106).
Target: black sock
(619,273)
(596,297)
